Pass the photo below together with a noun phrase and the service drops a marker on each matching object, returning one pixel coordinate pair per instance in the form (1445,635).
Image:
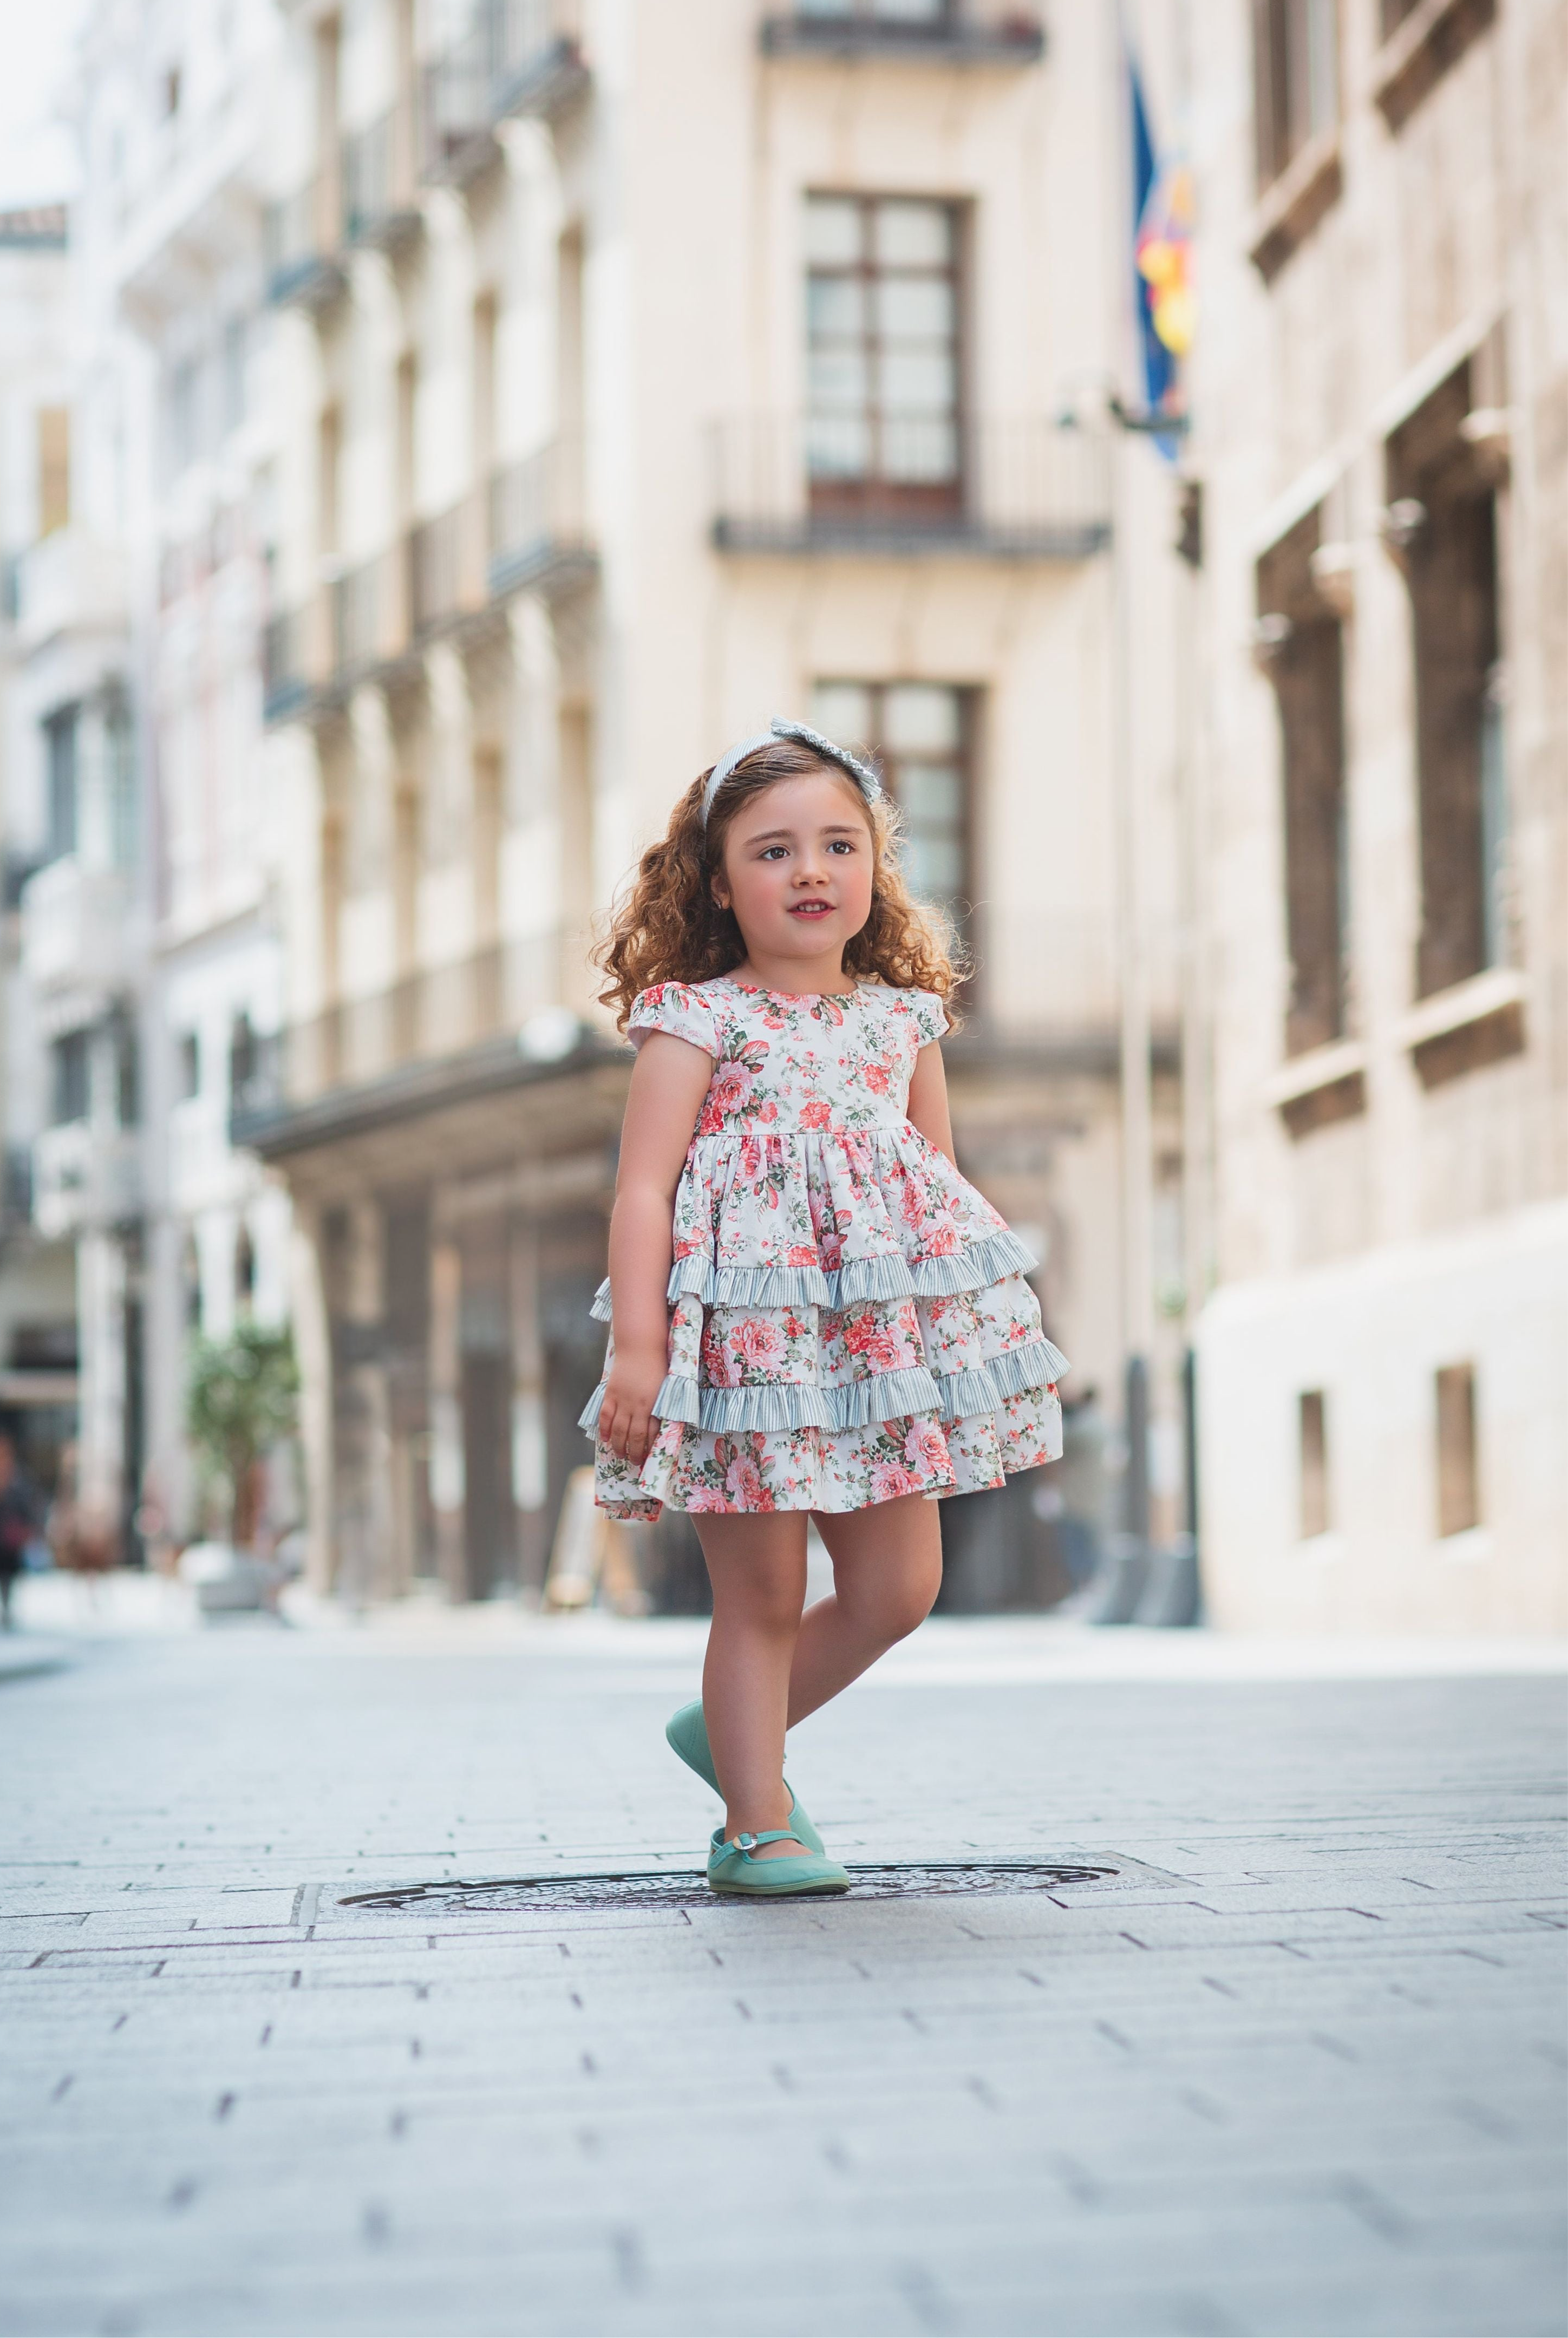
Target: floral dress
(848,1318)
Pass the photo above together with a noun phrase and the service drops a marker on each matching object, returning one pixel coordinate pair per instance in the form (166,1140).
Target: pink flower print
(760,1341)
(942,1239)
(706,1497)
(815,1114)
(750,1156)
(926,1449)
(886,1351)
(859,1331)
(875,1077)
(889,1479)
(744,1480)
(723,1371)
(729,1088)
(913,1202)
(801,1254)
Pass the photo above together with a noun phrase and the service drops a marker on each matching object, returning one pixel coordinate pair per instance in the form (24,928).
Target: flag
(1162,266)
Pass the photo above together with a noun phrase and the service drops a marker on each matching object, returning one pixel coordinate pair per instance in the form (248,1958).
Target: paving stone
(1312,2083)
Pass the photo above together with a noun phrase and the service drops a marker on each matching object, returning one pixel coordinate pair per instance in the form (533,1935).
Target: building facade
(641,373)
(140,838)
(1382,397)
(38,1345)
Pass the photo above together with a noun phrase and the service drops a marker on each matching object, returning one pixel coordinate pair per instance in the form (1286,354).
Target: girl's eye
(770,851)
(841,844)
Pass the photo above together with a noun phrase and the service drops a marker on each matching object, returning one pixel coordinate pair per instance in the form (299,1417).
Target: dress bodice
(785,1063)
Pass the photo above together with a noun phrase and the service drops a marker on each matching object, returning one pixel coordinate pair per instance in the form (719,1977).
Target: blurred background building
(1381,390)
(453,421)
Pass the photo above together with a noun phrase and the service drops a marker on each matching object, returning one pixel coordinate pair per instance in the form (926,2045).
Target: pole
(1137,1188)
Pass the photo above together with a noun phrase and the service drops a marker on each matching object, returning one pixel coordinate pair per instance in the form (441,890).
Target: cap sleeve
(675,1007)
(930,1016)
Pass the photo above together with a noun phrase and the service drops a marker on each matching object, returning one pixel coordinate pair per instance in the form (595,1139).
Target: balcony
(69,582)
(300,239)
(74,927)
(84,1175)
(293,662)
(446,568)
(518,58)
(379,210)
(502,1005)
(1005,490)
(522,533)
(538,527)
(934,31)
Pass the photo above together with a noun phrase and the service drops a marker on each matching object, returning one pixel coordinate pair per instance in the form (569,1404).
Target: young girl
(813,1315)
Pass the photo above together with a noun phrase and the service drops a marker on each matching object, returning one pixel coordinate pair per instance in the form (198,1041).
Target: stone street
(1297,2067)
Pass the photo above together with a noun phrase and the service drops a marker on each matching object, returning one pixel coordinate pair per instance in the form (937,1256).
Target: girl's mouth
(812,910)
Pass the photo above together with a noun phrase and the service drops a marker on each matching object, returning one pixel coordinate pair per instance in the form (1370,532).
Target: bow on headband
(864,777)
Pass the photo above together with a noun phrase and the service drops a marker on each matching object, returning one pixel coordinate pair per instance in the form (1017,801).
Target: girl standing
(813,1315)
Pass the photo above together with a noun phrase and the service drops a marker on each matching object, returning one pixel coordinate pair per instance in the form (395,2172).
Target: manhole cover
(686,1888)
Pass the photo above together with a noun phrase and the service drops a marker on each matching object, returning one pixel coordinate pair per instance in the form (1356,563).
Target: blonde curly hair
(667,927)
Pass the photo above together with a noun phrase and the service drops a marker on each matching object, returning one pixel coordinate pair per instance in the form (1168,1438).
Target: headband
(864,777)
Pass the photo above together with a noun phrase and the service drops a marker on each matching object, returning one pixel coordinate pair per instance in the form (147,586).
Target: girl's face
(797,869)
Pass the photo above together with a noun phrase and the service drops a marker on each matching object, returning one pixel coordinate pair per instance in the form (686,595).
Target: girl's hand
(626,1422)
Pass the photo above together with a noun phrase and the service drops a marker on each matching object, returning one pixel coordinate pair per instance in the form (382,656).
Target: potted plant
(241,1402)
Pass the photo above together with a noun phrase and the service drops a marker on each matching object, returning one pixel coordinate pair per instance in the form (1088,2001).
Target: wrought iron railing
(537,524)
(299,237)
(517,56)
(513,989)
(523,530)
(378,206)
(446,566)
(1007,488)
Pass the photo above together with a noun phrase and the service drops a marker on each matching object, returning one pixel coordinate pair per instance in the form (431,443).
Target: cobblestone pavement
(1300,2071)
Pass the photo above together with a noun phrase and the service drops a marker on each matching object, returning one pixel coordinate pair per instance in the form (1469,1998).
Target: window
(244,1269)
(1459,1482)
(1301,649)
(235,355)
(54,468)
(1295,74)
(1442,530)
(920,733)
(1312,1430)
(70,1061)
(189,1064)
(120,776)
(127,1073)
(60,734)
(882,355)
(244,1055)
(181,417)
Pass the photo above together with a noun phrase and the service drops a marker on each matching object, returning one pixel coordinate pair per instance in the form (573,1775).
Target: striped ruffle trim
(989,1259)
(881,1396)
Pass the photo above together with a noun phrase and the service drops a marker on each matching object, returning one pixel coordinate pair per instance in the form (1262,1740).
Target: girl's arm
(929,1101)
(668,1082)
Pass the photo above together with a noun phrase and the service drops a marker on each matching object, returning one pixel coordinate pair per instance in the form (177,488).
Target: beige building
(641,372)
(1382,395)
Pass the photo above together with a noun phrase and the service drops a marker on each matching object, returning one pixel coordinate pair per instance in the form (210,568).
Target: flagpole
(1137,1179)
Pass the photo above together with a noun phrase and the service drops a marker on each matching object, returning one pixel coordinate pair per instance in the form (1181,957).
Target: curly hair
(667,927)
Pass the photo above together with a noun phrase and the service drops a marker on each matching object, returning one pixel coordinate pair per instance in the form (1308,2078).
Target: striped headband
(864,777)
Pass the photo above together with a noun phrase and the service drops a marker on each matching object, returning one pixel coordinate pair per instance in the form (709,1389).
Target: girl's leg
(886,1572)
(758,1568)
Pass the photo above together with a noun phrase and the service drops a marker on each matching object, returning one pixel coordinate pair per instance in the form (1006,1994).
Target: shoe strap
(745,1844)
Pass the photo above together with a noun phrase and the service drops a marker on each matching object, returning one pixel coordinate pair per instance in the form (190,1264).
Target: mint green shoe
(686,1732)
(733,1869)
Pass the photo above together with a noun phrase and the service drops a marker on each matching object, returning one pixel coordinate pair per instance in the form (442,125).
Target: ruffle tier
(849,1320)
